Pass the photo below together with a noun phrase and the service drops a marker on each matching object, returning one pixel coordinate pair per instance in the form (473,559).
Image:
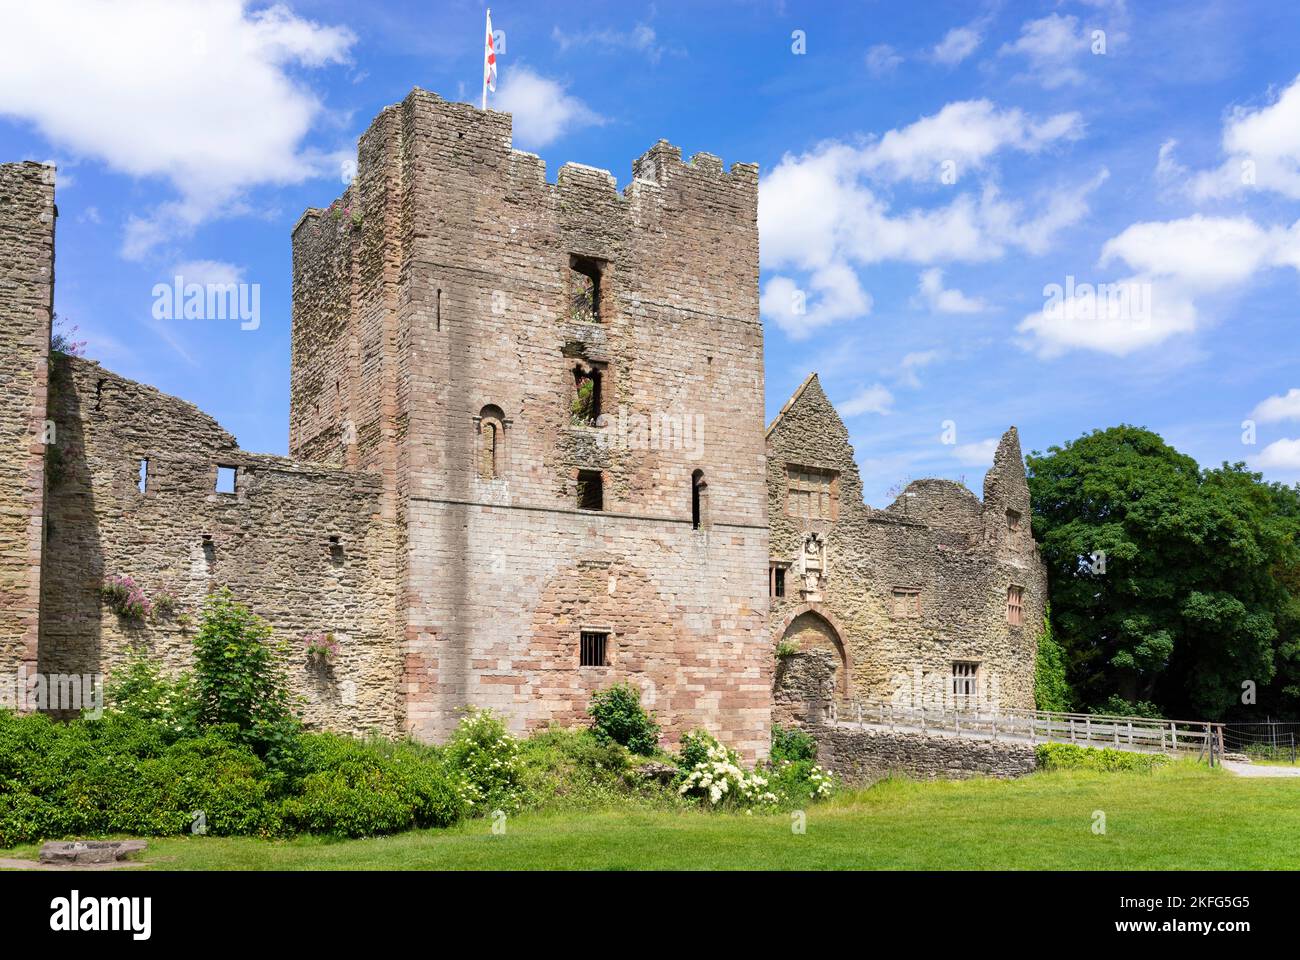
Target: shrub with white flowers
(720,779)
(801,780)
(486,756)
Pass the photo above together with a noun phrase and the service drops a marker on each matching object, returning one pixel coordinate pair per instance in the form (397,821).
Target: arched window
(699,500)
(491,442)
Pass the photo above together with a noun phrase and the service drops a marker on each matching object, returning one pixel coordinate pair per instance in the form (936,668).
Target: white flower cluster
(823,783)
(721,776)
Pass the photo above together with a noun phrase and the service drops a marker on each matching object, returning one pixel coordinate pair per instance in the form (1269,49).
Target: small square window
(593,648)
(226,479)
(591,494)
(965,680)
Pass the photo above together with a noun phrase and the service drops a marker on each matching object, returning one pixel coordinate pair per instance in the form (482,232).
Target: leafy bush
(573,769)
(694,749)
(720,779)
(355,789)
(239,681)
(792,744)
(617,715)
(798,781)
(1115,705)
(140,690)
(1070,756)
(486,757)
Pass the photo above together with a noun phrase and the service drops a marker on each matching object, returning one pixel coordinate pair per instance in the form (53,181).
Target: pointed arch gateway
(813,627)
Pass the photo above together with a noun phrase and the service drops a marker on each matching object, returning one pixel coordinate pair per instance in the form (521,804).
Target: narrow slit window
(142,479)
(593,648)
(776,580)
(699,499)
(1015,606)
(591,493)
(226,477)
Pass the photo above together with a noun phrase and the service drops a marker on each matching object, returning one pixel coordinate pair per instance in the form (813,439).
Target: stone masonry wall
(803,697)
(269,542)
(937,538)
(27,217)
(461,290)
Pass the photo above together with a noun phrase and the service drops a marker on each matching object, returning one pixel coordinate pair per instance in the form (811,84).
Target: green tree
(239,681)
(1169,583)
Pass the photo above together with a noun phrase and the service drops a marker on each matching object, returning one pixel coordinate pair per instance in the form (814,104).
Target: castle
(527,460)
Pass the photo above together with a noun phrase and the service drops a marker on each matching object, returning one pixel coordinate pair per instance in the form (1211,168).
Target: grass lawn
(1178,817)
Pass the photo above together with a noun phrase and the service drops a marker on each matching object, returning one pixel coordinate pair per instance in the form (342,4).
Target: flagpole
(487,27)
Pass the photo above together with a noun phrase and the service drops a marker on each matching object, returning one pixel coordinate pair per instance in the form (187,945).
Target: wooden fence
(1039,726)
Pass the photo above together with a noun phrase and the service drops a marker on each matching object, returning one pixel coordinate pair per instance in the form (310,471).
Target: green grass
(1180,817)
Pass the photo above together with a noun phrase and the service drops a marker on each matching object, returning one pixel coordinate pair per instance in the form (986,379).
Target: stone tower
(26,301)
(561,388)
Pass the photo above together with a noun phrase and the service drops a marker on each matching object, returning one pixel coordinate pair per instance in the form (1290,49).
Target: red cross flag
(489,63)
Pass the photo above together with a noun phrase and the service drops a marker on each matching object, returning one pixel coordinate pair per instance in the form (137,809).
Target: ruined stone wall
(804,697)
(475,247)
(269,542)
(27,217)
(936,538)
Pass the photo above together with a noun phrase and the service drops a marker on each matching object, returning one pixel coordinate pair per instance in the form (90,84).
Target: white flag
(489,63)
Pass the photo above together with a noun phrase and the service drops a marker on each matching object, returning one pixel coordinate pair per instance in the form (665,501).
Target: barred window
(593,648)
(964,679)
(813,493)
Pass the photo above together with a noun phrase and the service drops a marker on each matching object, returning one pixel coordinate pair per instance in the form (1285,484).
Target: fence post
(1173,736)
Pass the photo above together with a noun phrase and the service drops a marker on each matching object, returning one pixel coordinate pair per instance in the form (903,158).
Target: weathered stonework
(26,299)
(955,555)
(805,697)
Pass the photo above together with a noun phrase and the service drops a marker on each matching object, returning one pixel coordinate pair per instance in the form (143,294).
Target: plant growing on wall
(583,406)
(126,598)
(1051,689)
(321,648)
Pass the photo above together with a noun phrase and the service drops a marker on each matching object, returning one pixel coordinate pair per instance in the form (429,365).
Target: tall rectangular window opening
(586,395)
(813,493)
(1015,606)
(593,648)
(776,579)
(142,480)
(584,286)
(591,493)
(226,477)
(965,676)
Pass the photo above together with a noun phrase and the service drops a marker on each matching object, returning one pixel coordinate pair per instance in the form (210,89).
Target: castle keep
(526,460)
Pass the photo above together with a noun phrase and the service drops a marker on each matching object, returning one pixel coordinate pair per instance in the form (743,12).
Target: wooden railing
(984,721)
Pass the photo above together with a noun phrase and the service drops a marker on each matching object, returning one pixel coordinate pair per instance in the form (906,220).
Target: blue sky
(928,171)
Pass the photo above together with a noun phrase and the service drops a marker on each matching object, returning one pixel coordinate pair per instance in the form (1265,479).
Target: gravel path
(1259,769)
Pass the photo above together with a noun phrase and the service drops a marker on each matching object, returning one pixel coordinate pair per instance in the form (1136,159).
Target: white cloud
(1279,455)
(957,44)
(873,399)
(1283,407)
(1115,318)
(934,296)
(835,294)
(817,208)
(1206,253)
(1261,150)
(641,39)
(543,111)
(968,133)
(882,59)
(1051,47)
(207,271)
(979,454)
(913,362)
(1175,263)
(197,92)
